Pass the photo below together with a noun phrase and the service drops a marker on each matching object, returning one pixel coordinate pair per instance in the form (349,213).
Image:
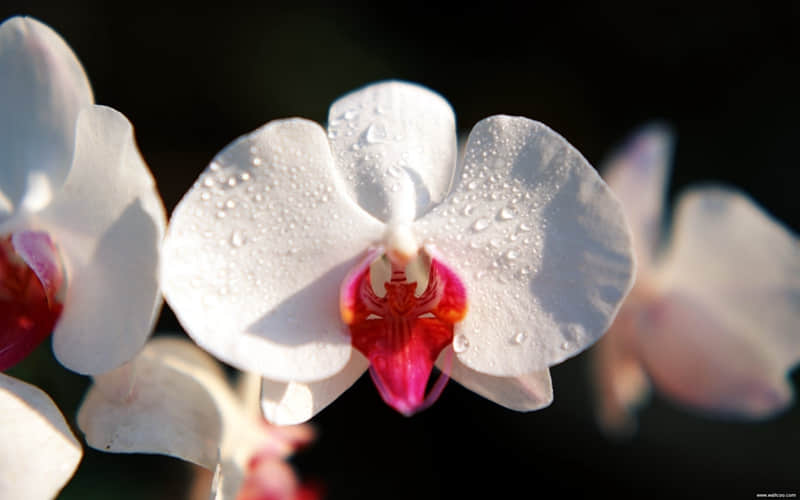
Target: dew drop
(237,239)
(256,161)
(460,343)
(524,227)
(205,196)
(519,338)
(506,214)
(208,181)
(565,346)
(511,255)
(468,210)
(376,133)
(350,114)
(480,224)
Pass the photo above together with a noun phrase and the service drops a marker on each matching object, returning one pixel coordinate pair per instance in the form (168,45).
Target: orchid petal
(42,89)
(395,146)
(40,453)
(175,406)
(529,392)
(257,250)
(694,357)
(296,402)
(637,174)
(731,306)
(540,243)
(108,222)
(621,383)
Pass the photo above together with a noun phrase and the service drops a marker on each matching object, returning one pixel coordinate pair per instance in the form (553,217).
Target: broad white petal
(287,403)
(698,358)
(540,243)
(257,250)
(732,275)
(39,453)
(395,146)
(637,174)
(108,222)
(533,391)
(175,405)
(42,89)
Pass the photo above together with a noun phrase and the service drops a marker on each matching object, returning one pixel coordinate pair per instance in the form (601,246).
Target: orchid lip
(31,279)
(403,332)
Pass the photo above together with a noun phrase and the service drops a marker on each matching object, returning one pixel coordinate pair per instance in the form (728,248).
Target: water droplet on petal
(506,214)
(518,338)
(511,255)
(237,239)
(565,346)
(472,185)
(460,343)
(480,224)
(376,133)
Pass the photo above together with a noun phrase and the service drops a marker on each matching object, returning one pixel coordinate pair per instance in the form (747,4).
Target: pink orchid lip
(402,333)
(31,277)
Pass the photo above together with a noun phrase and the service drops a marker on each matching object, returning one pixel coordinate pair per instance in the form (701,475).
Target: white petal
(42,89)
(540,243)
(395,146)
(733,276)
(619,379)
(637,174)
(177,406)
(698,358)
(287,403)
(40,454)
(257,250)
(108,222)
(533,391)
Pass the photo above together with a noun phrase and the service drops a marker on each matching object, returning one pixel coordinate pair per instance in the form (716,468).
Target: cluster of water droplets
(495,226)
(261,213)
(369,158)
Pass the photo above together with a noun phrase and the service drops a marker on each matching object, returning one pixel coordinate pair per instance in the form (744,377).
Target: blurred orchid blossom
(712,321)
(174,399)
(308,257)
(80,228)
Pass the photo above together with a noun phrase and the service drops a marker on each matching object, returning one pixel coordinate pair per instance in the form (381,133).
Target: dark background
(192,79)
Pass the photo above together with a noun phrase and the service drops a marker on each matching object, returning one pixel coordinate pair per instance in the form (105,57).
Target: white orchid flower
(174,399)
(80,229)
(712,321)
(308,256)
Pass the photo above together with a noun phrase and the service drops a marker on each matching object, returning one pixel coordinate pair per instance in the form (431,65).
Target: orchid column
(296,246)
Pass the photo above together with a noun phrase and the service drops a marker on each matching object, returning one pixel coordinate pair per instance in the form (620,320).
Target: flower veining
(402,333)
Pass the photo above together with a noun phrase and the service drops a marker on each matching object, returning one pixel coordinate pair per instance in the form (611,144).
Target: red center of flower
(30,278)
(402,333)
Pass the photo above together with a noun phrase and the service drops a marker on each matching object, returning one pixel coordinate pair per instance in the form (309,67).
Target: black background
(192,79)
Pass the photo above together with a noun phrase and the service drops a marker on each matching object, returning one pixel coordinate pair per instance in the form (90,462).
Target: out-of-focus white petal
(533,391)
(257,250)
(175,406)
(108,222)
(42,89)
(540,243)
(40,453)
(697,358)
(287,403)
(619,379)
(637,173)
(731,280)
(395,146)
